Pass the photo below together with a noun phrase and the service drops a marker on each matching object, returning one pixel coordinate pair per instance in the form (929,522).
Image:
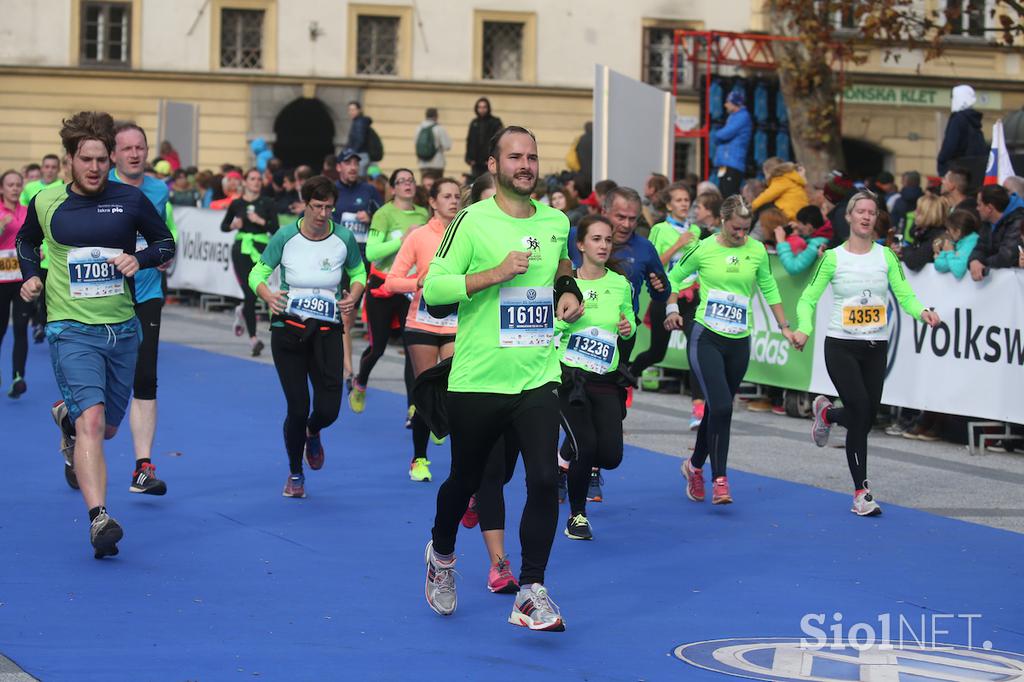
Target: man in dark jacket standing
(478,139)
(963,138)
(733,142)
(1003,215)
(358,135)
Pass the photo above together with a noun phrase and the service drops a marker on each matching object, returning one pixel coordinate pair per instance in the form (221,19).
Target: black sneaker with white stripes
(144,481)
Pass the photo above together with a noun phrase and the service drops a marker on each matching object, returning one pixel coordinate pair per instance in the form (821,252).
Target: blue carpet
(225,579)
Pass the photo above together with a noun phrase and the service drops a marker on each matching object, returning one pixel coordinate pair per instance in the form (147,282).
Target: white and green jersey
(311,270)
(860,284)
(591,342)
(727,275)
(506,333)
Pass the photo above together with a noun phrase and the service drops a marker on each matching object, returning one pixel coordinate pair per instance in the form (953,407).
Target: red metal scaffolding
(708,50)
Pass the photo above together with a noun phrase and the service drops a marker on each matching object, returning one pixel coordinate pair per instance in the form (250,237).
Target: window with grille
(658,48)
(106,32)
(377,46)
(967,17)
(840,15)
(502,51)
(241,38)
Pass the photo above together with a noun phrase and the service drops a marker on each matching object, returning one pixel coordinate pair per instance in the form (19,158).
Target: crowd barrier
(203,260)
(971,365)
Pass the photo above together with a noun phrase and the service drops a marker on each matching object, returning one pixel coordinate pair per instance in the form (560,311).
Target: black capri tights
(719,363)
(148,313)
(857,368)
(300,362)
(243,265)
(594,434)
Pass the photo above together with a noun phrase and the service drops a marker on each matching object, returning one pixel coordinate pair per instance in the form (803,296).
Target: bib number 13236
(527,316)
(91,276)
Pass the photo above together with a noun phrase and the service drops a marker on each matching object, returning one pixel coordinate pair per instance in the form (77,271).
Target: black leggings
(243,265)
(688,309)
(594,433)
(490,498)
(11,304)
(655,352)
(477,421)
(303,359)
(719,363)
(857,368)
(148,313)
(379,314)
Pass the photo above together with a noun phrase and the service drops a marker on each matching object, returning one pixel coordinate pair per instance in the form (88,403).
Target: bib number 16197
(527,316)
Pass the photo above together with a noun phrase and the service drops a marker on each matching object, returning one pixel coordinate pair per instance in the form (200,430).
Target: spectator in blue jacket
(358,135)
(733,141)
(954,250)
(1000,238)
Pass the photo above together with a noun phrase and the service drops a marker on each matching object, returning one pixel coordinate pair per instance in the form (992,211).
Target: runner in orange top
(428,339)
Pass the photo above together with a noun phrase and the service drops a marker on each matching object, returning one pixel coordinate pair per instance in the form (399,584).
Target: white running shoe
(820,428)
(534,609)
(864,504)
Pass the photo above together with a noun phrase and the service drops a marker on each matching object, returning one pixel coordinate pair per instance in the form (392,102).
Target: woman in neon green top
(861,273)
(391,224)
(591,394)
(728,265)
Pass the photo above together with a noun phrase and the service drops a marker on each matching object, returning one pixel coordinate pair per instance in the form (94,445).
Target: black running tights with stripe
(595,434)
(300,362)
(477,421)
(857,368)
(719,363)
(12,307)
(243,265)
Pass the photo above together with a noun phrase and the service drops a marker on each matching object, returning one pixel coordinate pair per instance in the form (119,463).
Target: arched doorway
(305,133)
(863,159)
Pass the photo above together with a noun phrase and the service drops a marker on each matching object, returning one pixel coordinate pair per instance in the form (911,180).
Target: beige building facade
(237,64)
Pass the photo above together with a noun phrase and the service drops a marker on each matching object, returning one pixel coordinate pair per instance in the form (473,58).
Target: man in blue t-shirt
(131,148)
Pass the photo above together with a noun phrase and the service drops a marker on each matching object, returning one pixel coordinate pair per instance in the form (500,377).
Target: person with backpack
(432,141)
(363,138)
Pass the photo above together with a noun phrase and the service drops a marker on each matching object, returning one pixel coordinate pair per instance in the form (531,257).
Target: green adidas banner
(772,361)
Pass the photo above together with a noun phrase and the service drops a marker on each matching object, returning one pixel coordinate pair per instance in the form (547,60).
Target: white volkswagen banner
(972,364)
(203,259)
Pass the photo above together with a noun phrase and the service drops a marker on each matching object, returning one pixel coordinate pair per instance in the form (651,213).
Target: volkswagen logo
(531,294)
(786,660)
(95,253)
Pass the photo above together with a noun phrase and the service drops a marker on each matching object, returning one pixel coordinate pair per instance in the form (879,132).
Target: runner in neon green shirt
(592,394)
(388,229)
(505,262)
(671,239)
(50,176)
(727,265)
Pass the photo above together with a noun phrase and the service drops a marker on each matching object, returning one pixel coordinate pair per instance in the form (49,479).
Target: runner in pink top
(428,339)
(12,216)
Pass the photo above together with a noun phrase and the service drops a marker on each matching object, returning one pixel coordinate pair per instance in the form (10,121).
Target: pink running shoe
(471,518)
(500,579)
(694,481)
(720,491)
